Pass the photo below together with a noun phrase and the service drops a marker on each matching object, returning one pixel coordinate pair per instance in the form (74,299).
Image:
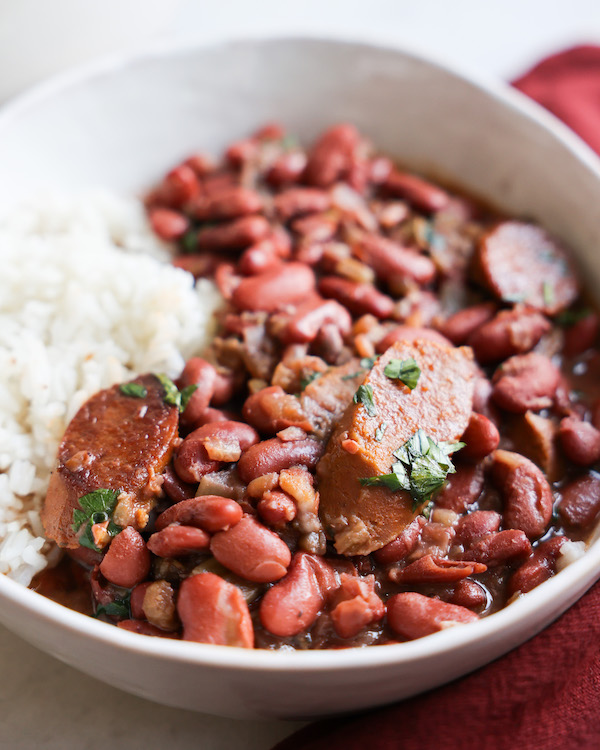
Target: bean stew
(395,429)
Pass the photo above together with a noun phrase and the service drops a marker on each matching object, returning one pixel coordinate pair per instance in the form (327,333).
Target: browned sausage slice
(116,442)
(520,262)
(363,519)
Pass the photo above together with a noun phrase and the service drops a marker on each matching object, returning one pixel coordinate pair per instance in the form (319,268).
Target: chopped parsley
(568,318)
(117,608)
(189,241)
(288,142)
(174,396)
(95,507)
(368,362)
(133,389)
(405,370)
(421,468)
(364,396)
(548,293)
(311,377)
(380,431)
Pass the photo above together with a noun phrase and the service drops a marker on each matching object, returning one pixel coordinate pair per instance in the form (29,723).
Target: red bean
(274,455)
(580,441)
(461,325)
(287,168)
(199,265)
(391,260)
(201,373)
(136,600)
(286,284)
(359,298)
(581,335)
(402,545)
(431,569)
(461,489)
(175,541)
(474,526)
(526,382)
(214,611)
(413,615)
(311,316)
(144,628)
(538,568)
(410,333)
(417,191)
(168,225)
(469,594)
(276,508)
(301,201)
(209,512)
(229,204)
(580,502)
(526,493)
(127,561)
(174,488)
(234,235)
(499,548)
(251,551)
(331,156)
(510,332)
(293,604)
(258,258)
(481,438)
(179,186)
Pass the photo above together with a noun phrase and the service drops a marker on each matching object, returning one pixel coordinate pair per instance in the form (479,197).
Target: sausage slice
(116,442)
(520,262)
(363,519)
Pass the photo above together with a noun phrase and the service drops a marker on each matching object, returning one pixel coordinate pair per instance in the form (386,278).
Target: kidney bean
(357,605)
(287,168)
(242,151)
(316,228)
(311,316)
(469,594)
(431,569)
(226,384)
(272,409)
(168,224)
(499,548)
(391,260)
(413,615)
(127,561)
(580,502)
(210,415)
(199,372)
(198,264)
(234,235)
(293,604)
(179,187)
(461,325)
(226,279)
(409,333)
(538,568)
(276,508)
(286,284)
(259,258)
(481,438)
(402,545)
(580,441)
(229,204)
(461,489)
(474,526)
(525,491)
(359,298)
(251,551)
(527,381)
(301,201)
(175,541)
(144,628)
(202,164)
(274,455)
(209,512)
(417,191)
(192,460)
(581,335)
(136,600)
(213,610)
(509,332)
(331,156)
(174,488)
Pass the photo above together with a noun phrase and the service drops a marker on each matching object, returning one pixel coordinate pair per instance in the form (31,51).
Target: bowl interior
(121,124)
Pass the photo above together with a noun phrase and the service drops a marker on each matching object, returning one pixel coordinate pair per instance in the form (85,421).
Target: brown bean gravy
(396,427)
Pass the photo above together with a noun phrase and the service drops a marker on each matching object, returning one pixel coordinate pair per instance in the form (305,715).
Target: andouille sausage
(363,519)
(116,442)
(520,262)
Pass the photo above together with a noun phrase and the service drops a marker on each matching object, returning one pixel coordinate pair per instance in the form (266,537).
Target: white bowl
(122,124)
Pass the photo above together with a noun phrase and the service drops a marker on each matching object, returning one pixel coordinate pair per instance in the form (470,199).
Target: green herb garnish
(117,608)
(364,396)
(405,370)
(380,430)
(422,467)
(189,241)
(568,318)
(288,142)
(95,507)
(306,381)
(353,375)
(133,389)
(186,393)
(174,396)
(548,293)
(368,362)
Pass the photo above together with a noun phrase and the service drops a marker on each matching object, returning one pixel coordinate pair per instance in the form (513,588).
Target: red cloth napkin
(544,695)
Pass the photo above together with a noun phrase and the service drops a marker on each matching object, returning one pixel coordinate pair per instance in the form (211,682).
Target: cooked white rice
(86,300)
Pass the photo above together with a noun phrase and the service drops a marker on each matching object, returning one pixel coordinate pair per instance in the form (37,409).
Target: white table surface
(46,704)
